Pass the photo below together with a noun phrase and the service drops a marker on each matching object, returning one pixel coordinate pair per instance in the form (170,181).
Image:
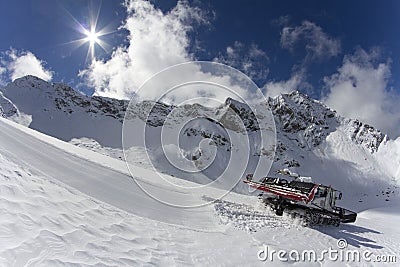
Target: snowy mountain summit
(297,113)
(58,110)
(312,139)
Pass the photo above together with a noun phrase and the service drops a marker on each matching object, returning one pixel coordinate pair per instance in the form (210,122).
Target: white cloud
(2,72)
(360,90)
(157,40)
(273,88)
(298,82)
(318,44)
(251,60)
(18,64)
(281,21)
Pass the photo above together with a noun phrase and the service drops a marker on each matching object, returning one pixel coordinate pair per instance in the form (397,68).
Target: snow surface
(62,207)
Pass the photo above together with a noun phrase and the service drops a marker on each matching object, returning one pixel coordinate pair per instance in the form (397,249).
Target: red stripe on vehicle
(284,192)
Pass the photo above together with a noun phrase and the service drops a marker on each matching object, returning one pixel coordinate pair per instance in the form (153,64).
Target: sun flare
(92,37)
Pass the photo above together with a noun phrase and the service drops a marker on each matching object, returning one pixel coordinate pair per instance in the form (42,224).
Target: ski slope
(113,186)
(62,205)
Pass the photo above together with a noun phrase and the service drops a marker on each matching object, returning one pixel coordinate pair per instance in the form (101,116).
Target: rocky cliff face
(311,122)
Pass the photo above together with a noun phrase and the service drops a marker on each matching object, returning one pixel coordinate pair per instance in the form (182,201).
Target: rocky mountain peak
(364,134)
(296,111)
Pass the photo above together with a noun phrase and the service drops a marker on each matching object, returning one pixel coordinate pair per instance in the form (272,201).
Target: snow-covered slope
(62,205)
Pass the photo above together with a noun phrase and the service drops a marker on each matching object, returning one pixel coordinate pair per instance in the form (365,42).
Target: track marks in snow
(251,219)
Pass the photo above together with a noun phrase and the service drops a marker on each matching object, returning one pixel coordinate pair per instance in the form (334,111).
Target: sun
(92,37)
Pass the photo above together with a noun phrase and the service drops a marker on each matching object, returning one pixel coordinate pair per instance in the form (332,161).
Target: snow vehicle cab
(315,202)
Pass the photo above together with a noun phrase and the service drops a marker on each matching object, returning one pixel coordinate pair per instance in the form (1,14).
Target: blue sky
(334,51)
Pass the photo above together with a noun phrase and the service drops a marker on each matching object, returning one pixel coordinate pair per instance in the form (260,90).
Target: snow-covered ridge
(365,134)
(66,98)
(60,111)
(294,113)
